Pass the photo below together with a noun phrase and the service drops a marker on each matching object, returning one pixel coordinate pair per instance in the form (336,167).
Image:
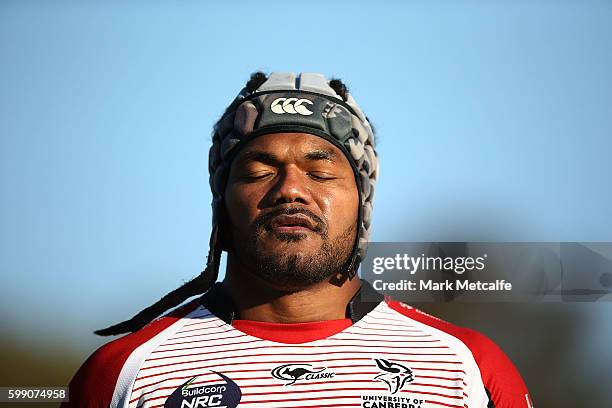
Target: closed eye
(321,177)
(256,176)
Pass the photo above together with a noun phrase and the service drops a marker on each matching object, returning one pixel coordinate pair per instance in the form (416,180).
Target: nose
(291,187)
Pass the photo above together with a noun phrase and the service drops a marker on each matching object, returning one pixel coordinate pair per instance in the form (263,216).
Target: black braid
(256,80)
(194,287)
(200,284)
(338,86)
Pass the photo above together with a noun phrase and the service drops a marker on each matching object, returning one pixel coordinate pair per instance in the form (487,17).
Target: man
(292,170)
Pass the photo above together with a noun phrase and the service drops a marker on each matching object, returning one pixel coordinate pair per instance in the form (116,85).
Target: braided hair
(201,283)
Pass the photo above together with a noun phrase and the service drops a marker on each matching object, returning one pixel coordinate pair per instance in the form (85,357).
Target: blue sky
(494,123)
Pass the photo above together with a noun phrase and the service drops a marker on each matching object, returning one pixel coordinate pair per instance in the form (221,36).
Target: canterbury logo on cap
(291,105)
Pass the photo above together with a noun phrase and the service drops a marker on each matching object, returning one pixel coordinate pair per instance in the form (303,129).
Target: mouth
(292,224)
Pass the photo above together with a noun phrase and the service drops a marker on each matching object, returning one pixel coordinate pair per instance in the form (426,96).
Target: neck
(254,299)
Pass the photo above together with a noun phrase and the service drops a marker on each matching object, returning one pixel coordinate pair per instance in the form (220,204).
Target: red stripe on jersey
(443,404)
(382,327)
(232,356)
(94,383)
(203,346)
(174,356)
(197,341)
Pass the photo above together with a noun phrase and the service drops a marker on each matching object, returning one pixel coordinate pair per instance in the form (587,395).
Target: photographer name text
(431,285)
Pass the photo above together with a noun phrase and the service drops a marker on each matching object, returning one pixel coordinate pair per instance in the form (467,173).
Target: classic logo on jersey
(302,372)
(395,375)
(291,105)
(218,394)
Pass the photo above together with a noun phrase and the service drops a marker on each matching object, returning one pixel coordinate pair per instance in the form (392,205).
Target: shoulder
(478,343)
(94,383)
(503,383)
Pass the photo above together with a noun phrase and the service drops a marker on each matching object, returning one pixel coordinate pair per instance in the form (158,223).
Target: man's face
(292,203)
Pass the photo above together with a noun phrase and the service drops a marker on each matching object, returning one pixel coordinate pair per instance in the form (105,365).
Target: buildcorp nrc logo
(300,372)
(220,394)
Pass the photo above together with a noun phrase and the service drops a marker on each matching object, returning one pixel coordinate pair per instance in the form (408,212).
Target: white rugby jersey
(387,355)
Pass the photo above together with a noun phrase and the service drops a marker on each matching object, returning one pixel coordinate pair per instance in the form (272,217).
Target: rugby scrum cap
(282,102)
(289,102)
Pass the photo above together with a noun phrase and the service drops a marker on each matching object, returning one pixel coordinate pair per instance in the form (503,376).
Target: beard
(289,268)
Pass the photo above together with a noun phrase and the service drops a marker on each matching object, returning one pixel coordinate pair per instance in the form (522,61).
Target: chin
(291,253)
(291,270)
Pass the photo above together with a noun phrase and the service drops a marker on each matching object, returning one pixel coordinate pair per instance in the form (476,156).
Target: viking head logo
(395,375)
